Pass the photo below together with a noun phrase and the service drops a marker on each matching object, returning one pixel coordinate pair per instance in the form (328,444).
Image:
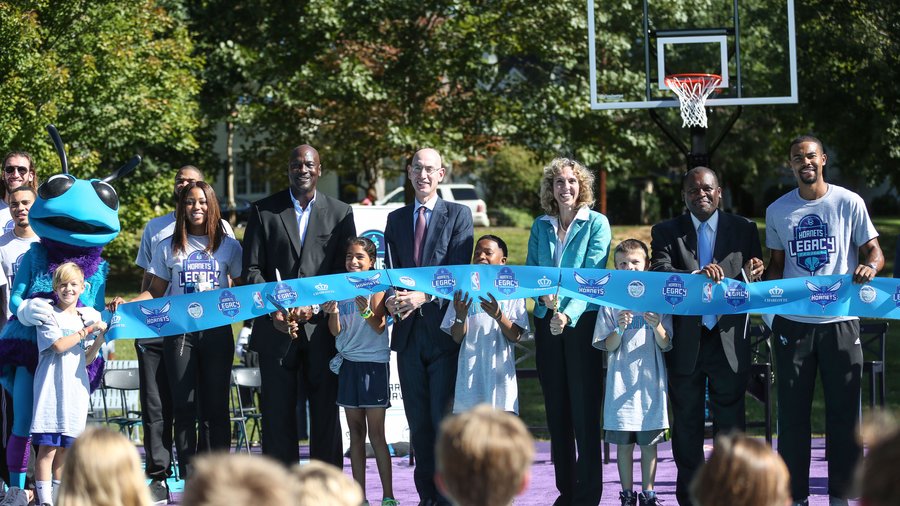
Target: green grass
(531,404)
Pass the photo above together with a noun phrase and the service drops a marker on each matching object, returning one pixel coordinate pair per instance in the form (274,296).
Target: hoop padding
(692,91)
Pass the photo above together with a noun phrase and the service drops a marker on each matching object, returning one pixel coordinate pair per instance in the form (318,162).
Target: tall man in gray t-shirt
(819,229)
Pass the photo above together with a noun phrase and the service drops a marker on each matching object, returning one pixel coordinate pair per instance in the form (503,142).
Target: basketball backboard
(634,45)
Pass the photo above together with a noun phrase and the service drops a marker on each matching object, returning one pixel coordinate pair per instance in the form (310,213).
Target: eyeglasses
(426,170)
(9,169)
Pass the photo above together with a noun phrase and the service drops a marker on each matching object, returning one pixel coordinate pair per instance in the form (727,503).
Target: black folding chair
(245,380)
(761,376)
(872,338)
(120,382)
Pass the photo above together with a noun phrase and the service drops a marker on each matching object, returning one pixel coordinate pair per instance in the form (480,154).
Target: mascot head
(82,213)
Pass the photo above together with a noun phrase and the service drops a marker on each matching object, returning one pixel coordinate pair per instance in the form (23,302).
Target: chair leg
(872,389)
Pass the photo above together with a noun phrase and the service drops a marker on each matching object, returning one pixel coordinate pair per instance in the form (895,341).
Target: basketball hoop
(692,91)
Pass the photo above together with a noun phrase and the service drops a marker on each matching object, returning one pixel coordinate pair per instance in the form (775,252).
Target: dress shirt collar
(713,222)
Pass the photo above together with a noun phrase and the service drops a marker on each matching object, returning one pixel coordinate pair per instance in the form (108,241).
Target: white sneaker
(15,496)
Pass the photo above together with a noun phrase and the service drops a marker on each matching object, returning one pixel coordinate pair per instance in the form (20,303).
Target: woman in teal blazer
(570,370)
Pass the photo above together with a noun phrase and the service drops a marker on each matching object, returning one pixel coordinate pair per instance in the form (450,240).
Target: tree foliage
(117,78)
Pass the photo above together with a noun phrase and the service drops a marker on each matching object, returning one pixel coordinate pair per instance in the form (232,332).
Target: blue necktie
(705,257)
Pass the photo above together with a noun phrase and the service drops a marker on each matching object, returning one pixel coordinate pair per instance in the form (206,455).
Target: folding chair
(761,377)
(245,379)
(121,381)
(872,338)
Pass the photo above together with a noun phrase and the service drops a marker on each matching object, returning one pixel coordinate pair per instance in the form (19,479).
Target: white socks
(44,491)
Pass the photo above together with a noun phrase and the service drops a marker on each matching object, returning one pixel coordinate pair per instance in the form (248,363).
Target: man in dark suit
(709,349)
(301,233)
(428,232)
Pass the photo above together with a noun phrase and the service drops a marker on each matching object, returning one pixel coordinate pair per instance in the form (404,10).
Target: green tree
(117,78)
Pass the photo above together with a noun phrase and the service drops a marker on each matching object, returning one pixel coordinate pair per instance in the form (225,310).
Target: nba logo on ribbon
(707,295)
(823,295)
(674,291)
(812,245)
(475,282)
(156,318)
(736,294)
(228,304)
(506,281)
(443,281)
(592,287)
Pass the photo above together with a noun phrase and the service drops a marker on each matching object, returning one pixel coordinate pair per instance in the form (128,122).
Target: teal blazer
(587,247)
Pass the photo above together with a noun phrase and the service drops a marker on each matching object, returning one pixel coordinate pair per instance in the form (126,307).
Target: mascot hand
(33,312)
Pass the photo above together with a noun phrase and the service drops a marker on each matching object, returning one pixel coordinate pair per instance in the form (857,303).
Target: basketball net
(692,91)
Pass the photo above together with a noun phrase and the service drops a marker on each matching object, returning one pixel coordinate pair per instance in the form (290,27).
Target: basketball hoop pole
(698,153)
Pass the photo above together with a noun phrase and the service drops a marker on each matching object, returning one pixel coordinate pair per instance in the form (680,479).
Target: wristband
(367,313)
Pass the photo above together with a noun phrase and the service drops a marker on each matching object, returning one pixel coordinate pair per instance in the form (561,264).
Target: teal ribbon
(667,293)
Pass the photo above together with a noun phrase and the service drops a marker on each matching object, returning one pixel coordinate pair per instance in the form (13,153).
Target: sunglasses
(9,169)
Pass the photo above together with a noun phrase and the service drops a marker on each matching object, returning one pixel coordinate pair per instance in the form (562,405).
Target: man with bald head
(299,232)
(428,232)
(706,350)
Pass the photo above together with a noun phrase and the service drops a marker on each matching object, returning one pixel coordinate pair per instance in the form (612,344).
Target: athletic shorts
(54,439)
(363,385)
(643,437)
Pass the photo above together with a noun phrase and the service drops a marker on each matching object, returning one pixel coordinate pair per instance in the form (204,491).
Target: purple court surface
(542,491)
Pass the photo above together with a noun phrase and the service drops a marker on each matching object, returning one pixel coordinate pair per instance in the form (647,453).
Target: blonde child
(363,368)
(486,369)
(484,457)
(635,409)
(742,471)
(103,469)
(61,396)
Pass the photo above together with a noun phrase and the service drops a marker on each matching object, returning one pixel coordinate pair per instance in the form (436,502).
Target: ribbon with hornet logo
(661,292)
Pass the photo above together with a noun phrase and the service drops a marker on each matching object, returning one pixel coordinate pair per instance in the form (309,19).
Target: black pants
(199,369)
(571,374)
(283,380)
(687,393)
(834,350)
(156,407)
(427,381)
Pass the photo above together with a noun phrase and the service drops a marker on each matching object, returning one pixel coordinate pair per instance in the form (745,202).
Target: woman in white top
(198,257)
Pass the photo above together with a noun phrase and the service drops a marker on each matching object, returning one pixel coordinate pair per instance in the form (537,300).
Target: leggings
(20,383)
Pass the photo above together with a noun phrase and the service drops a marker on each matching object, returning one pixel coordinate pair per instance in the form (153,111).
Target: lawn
(531,401)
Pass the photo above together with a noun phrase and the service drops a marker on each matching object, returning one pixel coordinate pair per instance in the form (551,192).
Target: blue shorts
(363,385)
(54,439)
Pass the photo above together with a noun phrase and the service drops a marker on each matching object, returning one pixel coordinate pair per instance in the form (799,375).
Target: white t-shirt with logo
(819,237)
(12,249)
(195,269)
(61,398)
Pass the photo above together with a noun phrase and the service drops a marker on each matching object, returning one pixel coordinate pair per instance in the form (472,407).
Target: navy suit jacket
(674,246)
(448,241)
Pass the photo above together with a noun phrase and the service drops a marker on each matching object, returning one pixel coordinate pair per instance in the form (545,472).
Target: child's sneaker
(390,501)
(15,496)
(628,498)
(650,499)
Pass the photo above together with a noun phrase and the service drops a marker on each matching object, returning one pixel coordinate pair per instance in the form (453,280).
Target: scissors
(281,309)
